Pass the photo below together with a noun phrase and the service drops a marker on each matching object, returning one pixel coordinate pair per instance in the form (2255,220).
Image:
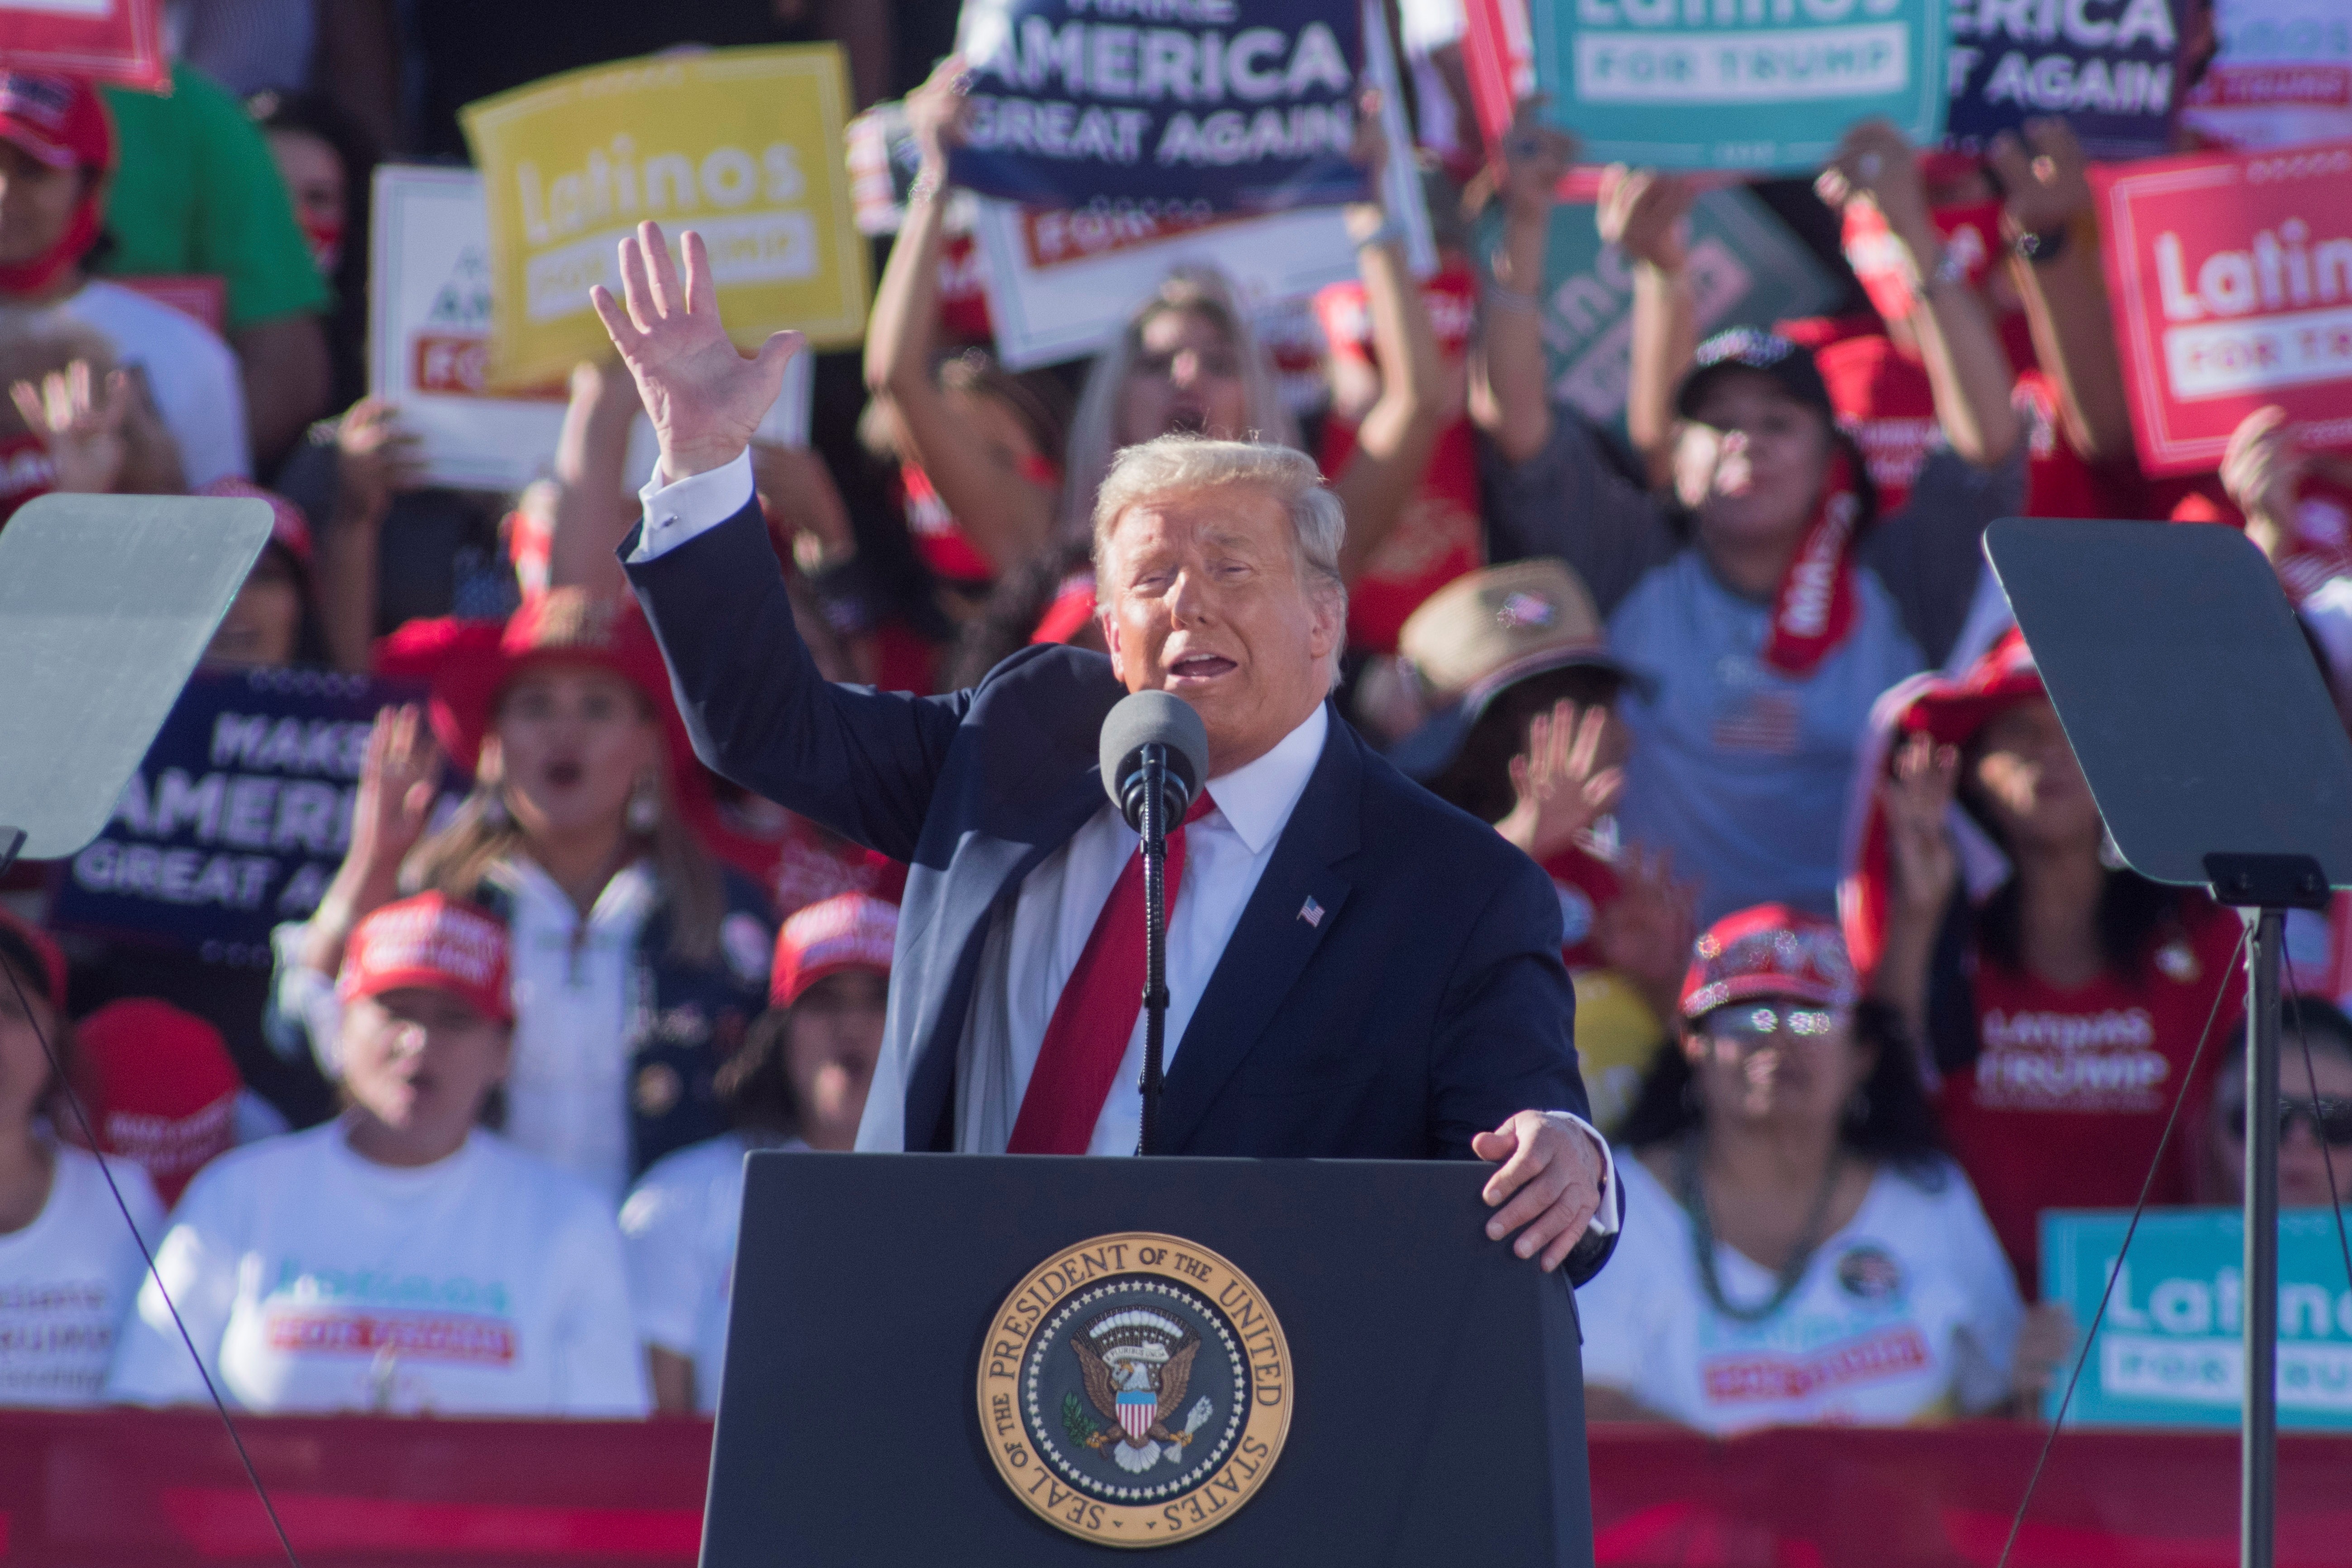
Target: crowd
(1862,987)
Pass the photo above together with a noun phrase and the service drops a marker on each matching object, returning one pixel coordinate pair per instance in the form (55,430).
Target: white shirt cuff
(1604,1218)
(675,513)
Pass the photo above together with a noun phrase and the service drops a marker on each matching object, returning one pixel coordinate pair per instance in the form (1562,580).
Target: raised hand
(936,112)
(2044,181)
(705,395)
(1533,157)
(1646,214)
(1561,789)
(1922,865)
(399,778)
(2262,469)
(376,459)
(83,434)
(1877,163)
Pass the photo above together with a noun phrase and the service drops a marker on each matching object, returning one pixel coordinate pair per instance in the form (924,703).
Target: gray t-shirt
(1741,772)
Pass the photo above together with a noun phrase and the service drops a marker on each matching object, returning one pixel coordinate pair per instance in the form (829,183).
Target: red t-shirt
(938,538)
(1587,884)
(2065,1104)
(1885,402)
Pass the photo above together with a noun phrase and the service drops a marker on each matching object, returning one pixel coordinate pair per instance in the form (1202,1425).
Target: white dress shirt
(1031,949)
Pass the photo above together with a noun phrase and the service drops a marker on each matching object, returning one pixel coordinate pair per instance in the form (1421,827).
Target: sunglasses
(2330,1120)
(1752,1026)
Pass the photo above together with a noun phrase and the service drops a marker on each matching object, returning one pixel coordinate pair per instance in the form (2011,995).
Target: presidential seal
(1135,1389)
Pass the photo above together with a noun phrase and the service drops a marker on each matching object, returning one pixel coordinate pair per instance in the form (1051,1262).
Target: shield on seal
(1138,1408)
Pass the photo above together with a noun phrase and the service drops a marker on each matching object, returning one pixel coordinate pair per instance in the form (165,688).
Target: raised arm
(591,475)
(1510,380)
(2045,202)
(1966,365)
(1004,513)
(1399,434)
(1646,216)
(860,762)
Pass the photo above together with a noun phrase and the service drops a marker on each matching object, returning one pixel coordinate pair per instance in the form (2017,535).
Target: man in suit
(1357,970)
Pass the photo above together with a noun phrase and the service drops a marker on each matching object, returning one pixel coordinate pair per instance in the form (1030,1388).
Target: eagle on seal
(1137,1363)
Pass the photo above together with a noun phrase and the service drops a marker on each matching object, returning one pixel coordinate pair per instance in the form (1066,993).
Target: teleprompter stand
(106,604)
(1434,1382)
(2217,758)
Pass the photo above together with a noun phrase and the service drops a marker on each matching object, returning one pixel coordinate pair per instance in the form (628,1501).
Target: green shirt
(196,190)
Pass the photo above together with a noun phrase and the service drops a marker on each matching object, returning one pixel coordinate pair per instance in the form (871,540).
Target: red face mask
(81,233)
(326,242)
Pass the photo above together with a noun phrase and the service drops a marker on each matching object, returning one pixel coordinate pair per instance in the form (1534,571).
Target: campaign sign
(111,40)
(2230,279)
(2283,74)
(237,817)
(2107,67)
(1174,109)
(1737,84)
(2170,1351)
(1746,269)
(743,146)
(429,314)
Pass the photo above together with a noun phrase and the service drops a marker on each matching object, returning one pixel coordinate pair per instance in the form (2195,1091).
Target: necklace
(1792,1272)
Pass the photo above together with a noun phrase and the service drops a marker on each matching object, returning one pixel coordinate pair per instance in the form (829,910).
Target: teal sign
(1746,270)
(2168,1353)
(1737,84)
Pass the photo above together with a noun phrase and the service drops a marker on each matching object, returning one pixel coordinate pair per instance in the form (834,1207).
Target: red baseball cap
(849,931)
(434,942)
(1770,950)
(288,528)
(48,959)
(166,1088)
(60,120)
(567,626)
(1952,711)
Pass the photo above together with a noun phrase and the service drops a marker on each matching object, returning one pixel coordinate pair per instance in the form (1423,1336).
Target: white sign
(429,344)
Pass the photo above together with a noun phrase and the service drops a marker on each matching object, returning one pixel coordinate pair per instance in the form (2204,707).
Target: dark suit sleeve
(861,762)
(1507,1032)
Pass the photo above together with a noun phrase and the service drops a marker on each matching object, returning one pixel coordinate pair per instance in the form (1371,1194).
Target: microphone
(1144,720)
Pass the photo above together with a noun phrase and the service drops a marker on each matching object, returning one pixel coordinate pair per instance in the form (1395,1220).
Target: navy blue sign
(1174,109)
(236,819)
(2110,69)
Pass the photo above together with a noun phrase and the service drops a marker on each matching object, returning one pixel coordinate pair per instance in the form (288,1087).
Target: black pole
(2258,1442)
(1155,939)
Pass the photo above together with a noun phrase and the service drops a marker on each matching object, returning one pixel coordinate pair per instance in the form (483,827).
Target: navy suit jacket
(1427,1003)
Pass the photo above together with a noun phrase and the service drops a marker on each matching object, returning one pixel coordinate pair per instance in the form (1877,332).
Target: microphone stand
(1155,939)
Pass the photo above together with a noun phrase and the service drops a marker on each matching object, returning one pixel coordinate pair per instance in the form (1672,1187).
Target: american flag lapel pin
(1311,912)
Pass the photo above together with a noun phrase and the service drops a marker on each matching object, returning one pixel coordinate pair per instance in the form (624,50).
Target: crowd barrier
(127,1490)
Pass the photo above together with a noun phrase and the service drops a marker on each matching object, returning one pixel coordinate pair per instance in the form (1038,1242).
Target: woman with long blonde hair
(638,959)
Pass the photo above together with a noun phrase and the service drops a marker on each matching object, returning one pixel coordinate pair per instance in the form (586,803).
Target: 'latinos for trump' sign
(1737,84)
(2169,1351)
(1173,109)
(2107,67)
(742,145)
(2230,279)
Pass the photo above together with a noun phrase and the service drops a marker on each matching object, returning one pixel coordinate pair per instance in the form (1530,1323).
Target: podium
(1040,1360)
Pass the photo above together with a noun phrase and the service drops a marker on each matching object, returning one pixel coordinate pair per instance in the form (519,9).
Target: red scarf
(1813,611)
(32,276)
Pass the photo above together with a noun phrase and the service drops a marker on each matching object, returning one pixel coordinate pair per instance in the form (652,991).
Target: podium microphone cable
(2115,1271)
(81,1116)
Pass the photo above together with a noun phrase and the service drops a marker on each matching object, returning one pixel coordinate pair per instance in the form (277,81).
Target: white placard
(429,335)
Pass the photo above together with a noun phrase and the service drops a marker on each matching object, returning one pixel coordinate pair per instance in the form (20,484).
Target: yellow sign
(743,146)
(1135,1390)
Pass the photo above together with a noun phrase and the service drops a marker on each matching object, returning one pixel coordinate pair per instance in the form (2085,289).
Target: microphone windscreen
(1142,717)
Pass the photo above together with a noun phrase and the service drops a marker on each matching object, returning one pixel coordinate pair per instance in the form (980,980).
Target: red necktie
(1092,1023)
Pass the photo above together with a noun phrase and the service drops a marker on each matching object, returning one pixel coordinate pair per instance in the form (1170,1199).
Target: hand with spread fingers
(1549,1187)
(1558,785)
(81,431)
(705,395)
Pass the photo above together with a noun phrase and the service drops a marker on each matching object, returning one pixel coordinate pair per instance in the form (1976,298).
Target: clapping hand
(705,395)
(81,433)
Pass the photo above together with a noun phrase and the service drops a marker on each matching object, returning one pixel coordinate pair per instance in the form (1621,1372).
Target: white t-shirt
(66,1281)
(314,1280)
(679,1226)
(193,374)
(1906,1314)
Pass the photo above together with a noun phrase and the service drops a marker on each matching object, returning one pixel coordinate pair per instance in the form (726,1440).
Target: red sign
(2231,278)
(113,40)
